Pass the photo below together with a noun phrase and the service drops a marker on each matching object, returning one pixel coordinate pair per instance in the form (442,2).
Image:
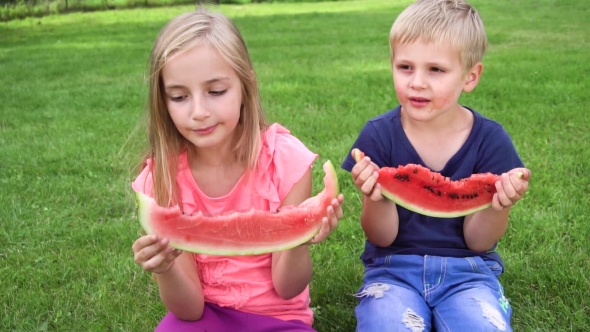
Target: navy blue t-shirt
(488,148)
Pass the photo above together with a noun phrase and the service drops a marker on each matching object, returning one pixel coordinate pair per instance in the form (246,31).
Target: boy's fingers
(522,173)
(360,167)
(368,186)
(496,205)
(376,194)
(508,187)
(520,185)
(502,198)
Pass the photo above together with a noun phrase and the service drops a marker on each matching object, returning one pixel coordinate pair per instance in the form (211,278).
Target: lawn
(71,100)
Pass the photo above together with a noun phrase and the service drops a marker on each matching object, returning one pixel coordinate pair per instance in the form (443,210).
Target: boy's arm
(483,229)
(379,218)
(379,221)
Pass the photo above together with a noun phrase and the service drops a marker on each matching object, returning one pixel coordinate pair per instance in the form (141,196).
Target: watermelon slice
(240,233)
(421,190)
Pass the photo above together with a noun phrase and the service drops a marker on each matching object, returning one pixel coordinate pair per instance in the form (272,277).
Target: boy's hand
(330,222)
(365,175)
(511,188)
(153,253)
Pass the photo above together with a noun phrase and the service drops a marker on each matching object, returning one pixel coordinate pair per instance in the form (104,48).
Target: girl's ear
(241,119)
(472,77)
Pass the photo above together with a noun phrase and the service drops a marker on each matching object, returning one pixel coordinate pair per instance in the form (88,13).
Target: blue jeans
(413,293)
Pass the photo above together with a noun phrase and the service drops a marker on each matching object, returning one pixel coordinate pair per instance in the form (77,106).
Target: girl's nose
(199,110)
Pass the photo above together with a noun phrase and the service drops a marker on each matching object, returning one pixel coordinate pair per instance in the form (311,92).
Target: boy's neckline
(455,157)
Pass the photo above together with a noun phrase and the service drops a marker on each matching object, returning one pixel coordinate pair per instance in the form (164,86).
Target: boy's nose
(418,82)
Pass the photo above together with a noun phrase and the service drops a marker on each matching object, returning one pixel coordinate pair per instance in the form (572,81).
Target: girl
(212,151)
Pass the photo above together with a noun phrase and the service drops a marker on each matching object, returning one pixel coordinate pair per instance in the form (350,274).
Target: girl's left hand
(329,222)
(511,188)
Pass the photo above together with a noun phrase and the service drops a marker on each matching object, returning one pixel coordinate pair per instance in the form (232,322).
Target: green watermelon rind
(145,202)
(437,214)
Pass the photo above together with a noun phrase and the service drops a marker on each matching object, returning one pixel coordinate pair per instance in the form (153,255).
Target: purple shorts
(220,319)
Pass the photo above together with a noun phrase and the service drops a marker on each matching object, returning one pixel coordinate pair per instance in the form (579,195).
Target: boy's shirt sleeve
(372,145)
(498,154)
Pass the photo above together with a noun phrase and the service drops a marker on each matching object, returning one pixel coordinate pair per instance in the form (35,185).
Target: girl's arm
(180,289)
(176,274)
(292,269)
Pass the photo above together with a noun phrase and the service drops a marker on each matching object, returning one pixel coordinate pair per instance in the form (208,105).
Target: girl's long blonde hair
(165,142)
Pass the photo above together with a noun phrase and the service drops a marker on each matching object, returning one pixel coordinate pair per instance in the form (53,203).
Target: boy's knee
(413,321)
(375,290)
(493,315)
(385,307)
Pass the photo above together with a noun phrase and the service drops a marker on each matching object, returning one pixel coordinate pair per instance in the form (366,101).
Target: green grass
(71,92)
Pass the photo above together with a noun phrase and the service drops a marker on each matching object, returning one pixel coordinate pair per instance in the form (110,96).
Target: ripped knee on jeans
(375,290)
(413,321)
(492,314)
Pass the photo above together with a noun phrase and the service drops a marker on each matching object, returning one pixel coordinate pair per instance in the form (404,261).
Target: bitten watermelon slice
(240,233)
(421,190)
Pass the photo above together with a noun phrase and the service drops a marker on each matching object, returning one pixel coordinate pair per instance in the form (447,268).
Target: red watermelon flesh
(240,233)
(421,190)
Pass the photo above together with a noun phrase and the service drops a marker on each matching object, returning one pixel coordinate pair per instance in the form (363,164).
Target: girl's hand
(153,253)
(330,222)
(511,188)
(364,175)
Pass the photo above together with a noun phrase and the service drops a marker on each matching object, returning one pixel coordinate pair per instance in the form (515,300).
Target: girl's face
(204,96)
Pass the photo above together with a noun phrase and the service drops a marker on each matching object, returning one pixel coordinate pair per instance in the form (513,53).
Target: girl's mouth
(206,130)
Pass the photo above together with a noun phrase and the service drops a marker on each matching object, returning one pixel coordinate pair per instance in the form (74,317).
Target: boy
(424,273)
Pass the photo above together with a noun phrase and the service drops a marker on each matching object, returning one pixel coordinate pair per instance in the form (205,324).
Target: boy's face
(429,78)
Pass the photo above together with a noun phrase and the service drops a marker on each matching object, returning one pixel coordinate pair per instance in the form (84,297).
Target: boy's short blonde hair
(453,22)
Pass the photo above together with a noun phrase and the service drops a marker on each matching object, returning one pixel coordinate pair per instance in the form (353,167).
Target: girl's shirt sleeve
(144,182)
(284,159)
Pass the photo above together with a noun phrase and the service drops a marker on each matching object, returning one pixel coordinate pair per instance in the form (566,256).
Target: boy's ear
(472,77)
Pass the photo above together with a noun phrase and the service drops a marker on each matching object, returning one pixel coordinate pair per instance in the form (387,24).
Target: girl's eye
(177,99)
(437,70)
(217,93)
(404,67)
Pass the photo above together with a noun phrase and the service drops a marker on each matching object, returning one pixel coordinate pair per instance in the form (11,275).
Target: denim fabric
(431,293)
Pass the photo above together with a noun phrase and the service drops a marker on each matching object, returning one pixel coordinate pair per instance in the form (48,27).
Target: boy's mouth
(419,101)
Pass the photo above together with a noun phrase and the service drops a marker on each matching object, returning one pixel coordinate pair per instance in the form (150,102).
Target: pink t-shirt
(245,282)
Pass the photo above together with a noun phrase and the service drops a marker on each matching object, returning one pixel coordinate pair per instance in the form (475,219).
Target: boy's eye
(217,93)
(437,70)
(404,67)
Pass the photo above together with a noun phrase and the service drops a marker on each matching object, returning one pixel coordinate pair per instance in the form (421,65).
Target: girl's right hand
(365,175)
(153,253)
